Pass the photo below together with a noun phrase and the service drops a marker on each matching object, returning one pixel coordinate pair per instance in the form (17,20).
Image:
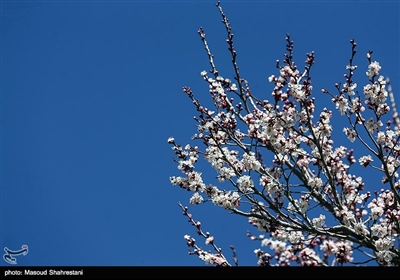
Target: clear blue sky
(91,90)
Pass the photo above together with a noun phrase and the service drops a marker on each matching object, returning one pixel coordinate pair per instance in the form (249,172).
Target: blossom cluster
(280,158)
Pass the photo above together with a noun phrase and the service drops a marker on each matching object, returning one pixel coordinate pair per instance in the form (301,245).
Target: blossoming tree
(277,164)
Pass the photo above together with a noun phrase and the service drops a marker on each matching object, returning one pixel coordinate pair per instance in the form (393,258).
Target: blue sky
(91,90)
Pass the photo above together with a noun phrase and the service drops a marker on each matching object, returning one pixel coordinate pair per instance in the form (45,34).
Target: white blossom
(373,69)
(365,160)
(300,205)
(319,222)
(196,199)
(250,162)
(384,243)
(245,183)
(342,104)
(385,256)
(351,134)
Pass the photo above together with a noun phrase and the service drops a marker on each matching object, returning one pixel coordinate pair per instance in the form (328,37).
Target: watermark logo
(9,255)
